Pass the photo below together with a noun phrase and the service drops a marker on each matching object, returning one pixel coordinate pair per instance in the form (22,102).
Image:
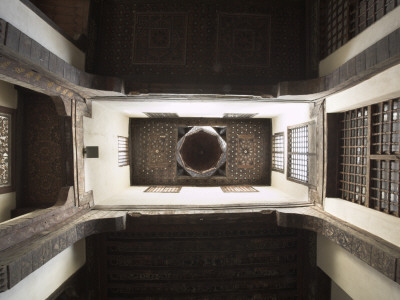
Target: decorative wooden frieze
(33,66)
(26,256)
(376,252)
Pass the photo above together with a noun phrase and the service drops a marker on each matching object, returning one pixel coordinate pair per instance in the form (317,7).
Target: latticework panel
(341,20)
(354,155)
(278,152)
(385,127)
(123,151)
(385,186)
(5,144)
(298,153)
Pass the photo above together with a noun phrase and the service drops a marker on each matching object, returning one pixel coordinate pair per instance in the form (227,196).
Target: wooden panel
(204,257)
(71,16)
(333,138)
(155,142)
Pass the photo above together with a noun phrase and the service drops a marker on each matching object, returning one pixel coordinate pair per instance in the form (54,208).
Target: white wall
(8,98)
(43,282)
(356,278)
(202,196)
(20,16)
(278,180)
(365,39)
(373,221)
(102,175)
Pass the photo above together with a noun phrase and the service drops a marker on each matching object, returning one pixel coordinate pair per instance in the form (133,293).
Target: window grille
(278,152)
(341,20)
(239,116)
(161,115)
(298,153)
(6,155)
(123,151)
(353,174)
(369,156)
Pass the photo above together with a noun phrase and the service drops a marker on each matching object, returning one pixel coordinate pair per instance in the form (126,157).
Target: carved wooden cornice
(25,62)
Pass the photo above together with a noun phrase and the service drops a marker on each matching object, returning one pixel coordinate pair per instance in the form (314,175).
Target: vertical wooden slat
(369,145)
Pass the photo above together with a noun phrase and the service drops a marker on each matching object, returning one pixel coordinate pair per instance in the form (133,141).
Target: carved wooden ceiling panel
(154,144)
(239,256)
(198,42)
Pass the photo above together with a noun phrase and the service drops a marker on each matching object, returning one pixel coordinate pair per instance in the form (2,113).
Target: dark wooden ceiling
(219,256)
(203,46)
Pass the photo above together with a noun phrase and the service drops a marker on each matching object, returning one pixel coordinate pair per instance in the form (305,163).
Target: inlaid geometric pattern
(5,148)
(43,169)
(163,189)
(144,41)
(238,189)
(160,38)
(244,39)
(155,142)
(246,149)
(230,258)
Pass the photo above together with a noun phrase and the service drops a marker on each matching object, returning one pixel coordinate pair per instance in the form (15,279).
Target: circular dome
(201,151)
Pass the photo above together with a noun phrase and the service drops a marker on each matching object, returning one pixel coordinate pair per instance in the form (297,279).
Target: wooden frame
(278,143)
(369,157)
(123,151)
(306,149)
(344,19)
(12,137)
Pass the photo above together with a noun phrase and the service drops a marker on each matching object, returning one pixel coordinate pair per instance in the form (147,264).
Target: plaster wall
(337,293)
(102,175)
(373,221)
(20,16)
(278,180)
(353,276)
(365,39)
(8,98)
(201,197)
(44,281)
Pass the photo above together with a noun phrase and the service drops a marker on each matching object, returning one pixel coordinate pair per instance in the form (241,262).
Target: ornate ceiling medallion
(201,151)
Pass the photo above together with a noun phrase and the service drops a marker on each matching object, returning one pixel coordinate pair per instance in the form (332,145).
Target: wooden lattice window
(369,156)
(354,140)
(123,151)
(278,152)
(7,119)
(384,185)
(299,154)
(341,20)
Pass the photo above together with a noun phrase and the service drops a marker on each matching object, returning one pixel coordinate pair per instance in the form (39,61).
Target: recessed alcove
(113,187)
